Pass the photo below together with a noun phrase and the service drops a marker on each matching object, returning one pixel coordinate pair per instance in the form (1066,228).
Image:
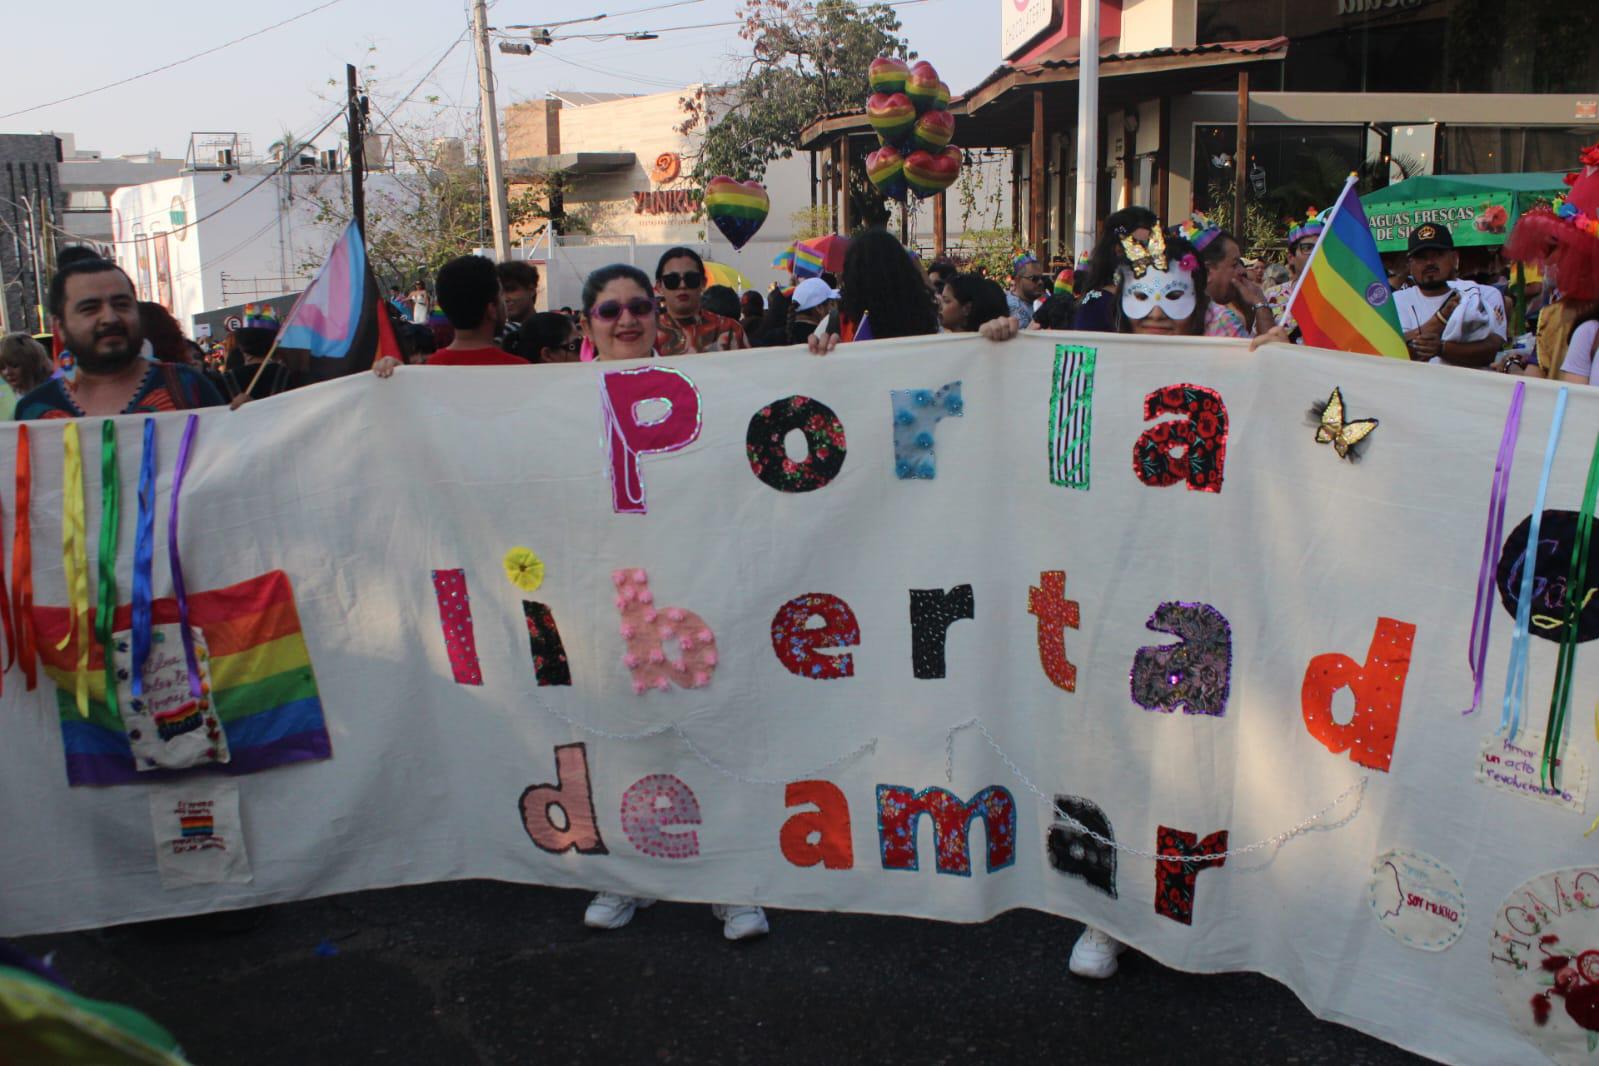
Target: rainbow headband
(263,316)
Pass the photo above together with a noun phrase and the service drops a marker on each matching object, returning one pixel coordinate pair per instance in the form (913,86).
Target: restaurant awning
(1458,201)
(995,115)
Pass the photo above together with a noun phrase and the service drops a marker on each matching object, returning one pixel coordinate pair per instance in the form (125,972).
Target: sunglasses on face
(691,280)
(611,310)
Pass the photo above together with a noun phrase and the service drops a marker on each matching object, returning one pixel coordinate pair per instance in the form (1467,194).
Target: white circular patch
(1417,899)
(1545,951)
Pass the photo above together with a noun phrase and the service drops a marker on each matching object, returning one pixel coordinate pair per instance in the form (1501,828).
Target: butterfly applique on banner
(1345,436)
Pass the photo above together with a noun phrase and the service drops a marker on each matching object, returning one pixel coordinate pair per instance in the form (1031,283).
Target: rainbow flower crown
(1198,231)
(260,316)
(1311,227)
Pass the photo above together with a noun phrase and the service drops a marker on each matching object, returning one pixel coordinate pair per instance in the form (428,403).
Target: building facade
(31,205)
(222,234)
(89,178)
(1320,88)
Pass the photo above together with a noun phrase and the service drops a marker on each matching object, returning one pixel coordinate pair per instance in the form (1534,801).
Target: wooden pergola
(1017,105)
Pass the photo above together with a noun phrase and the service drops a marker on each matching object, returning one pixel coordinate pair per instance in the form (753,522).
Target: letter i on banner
(629,435)
(1071,415)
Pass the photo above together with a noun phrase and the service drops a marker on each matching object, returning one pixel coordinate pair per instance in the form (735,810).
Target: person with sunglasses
(1027,285)
(549,337)
(687,327)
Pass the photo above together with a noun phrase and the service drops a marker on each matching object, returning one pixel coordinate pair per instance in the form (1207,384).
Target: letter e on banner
(819,836)
(799,645)
(655,804)
(1379,690)
(573,796)
(629,433)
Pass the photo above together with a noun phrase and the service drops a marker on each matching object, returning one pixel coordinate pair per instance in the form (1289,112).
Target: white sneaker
(741,922)
(1094,954)
(610,911)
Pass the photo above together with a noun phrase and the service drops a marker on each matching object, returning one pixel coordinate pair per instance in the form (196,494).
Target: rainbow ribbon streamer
(178,591)
(105,615)
(1516,675)
(1492,545)
(143,557)
(1576,599)
(22,566)
(75,559)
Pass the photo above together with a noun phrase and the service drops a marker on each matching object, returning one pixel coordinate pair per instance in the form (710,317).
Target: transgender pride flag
(340,322)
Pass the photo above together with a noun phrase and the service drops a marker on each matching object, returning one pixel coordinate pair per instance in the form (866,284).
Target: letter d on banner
(630,432)
(1379,689)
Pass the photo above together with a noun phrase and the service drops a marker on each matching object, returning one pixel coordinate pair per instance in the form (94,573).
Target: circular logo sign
(234,323)
(1417,899)
(179,218)
(1545,955)
(1377,294)
(667,167)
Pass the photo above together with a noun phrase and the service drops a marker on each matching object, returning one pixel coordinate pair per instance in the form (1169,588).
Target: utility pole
(491,133)
(356,121)
(1087,128)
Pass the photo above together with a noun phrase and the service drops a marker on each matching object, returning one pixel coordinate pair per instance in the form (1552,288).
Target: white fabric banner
(1027,590)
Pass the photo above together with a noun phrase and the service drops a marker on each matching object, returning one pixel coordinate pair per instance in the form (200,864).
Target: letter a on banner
(1192,448)
(820,836)
(629,433)
(1379,689)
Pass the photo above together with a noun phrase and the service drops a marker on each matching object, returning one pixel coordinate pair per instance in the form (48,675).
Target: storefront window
(1477,46)
(1290,168)
(1498,150)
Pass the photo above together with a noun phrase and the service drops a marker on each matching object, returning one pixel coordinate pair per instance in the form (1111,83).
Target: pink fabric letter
(655,803)
(626,438)
(646,627)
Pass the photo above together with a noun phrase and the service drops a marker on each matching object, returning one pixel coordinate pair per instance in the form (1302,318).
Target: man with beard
(1446,320)
(94,310)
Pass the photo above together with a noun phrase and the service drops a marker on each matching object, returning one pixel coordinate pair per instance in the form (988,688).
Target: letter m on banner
(899,809)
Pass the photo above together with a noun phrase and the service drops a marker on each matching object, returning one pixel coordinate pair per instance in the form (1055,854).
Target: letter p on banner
(629,433)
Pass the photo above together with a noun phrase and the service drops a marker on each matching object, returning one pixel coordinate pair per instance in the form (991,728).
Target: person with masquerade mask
(1160,287)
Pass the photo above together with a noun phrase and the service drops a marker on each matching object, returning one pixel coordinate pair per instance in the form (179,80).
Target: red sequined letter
(1379,688)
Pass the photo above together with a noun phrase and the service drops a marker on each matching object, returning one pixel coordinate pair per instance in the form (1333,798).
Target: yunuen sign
(929,627)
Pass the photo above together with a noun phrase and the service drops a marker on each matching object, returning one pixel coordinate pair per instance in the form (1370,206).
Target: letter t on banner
(628,436)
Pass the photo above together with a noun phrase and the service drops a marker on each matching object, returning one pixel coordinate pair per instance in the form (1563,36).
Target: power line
(174,63)
(617,15)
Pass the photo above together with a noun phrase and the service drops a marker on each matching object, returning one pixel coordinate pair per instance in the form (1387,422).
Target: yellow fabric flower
(524,569)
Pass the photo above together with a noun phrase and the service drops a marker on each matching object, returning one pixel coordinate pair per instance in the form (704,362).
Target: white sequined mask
(1170,290)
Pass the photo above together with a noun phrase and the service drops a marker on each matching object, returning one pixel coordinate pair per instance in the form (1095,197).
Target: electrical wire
(617,15)
(174,63)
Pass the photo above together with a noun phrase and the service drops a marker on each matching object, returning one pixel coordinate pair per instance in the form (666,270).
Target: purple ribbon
(1492,545)
(172,556)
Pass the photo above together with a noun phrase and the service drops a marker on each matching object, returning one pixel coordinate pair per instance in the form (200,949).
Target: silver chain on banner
(694,749)
(1061,816)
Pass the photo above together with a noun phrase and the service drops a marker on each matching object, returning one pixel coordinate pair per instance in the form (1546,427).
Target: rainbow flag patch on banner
(262,685)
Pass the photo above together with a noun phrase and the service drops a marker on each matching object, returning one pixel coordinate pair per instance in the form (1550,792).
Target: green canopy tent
(1457,201)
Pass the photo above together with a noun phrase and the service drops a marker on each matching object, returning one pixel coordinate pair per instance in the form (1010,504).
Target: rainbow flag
(784,260)
(807,261)
(1342,300)
(197,825)
(262,685)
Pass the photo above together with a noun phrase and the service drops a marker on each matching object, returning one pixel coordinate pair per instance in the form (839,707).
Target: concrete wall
(1149,24)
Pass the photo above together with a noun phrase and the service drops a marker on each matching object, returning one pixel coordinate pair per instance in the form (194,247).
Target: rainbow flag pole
(1342,300)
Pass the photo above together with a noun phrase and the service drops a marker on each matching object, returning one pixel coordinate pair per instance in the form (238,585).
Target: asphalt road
(484,972)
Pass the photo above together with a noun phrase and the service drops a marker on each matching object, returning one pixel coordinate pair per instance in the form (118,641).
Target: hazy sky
(280,79)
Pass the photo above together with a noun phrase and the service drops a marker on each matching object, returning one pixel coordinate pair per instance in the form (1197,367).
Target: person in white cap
(814,301)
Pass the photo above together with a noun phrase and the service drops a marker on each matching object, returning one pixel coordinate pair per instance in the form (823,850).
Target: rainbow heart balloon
(892,115)
(930,173)
(934,130)
(886,170)
(738,208)
(941,101)
(887,74)
(922,87)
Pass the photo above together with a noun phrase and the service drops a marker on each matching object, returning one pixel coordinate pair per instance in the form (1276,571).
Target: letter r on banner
(629,434)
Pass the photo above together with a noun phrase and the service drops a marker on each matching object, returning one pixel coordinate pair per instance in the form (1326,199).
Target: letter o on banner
(824,444)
